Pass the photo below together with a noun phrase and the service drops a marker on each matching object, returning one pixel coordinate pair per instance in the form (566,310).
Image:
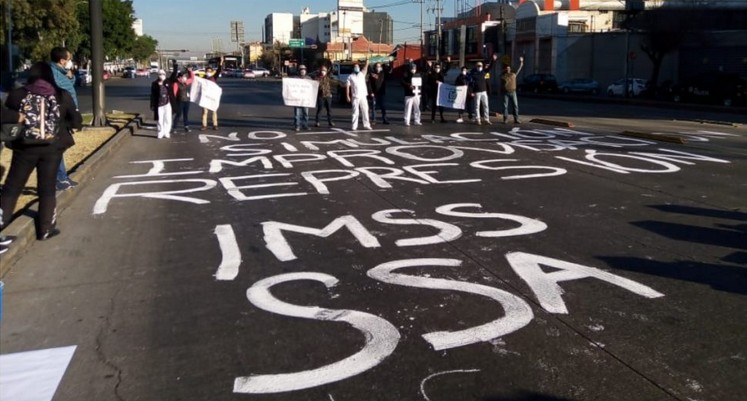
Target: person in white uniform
(357,92)
(412,83)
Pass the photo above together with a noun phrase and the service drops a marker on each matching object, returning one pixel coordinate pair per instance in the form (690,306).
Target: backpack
(42,118)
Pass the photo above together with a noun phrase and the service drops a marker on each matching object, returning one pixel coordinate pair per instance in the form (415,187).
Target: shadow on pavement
(526,396)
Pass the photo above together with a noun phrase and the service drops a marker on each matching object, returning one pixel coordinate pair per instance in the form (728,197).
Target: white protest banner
(205,93)
(299,92)
(451,96)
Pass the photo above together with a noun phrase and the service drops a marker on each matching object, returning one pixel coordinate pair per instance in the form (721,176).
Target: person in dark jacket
(377,91)
(182,89)
(480,93)
(8,116)
(432,81)
(44,158)
(324,96)
(463,80)
(163,101)
(211,75)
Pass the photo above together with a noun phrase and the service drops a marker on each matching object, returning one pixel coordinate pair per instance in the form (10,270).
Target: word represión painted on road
(266,166)
(384,167)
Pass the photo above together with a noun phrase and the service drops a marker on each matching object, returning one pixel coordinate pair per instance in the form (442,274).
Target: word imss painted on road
(381,337)
(263,165)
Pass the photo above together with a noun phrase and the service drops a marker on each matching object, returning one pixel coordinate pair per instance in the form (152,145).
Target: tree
(119,37)
(40,25)
(143,48)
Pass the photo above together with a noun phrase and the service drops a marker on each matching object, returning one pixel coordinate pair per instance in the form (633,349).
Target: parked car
(248,74)
(83,78)
(579,85)
(129,72)
(635,87)
(539,83)
(261,72)
(716,88)
(142,72)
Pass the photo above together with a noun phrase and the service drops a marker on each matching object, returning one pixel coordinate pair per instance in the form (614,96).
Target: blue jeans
(62,171)
(509,98)
(183,112)
(301,115)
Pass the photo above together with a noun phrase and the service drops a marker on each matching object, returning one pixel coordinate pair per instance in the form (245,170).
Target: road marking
(448,372)
(33,375)
(229,248)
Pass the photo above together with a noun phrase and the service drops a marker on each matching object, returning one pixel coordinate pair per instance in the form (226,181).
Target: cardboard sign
(453,97)
(299,92)
(205,93)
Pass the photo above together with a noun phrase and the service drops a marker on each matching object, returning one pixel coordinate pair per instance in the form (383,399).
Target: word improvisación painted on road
(280,169)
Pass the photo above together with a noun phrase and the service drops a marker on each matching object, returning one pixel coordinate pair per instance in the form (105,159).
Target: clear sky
(195,24)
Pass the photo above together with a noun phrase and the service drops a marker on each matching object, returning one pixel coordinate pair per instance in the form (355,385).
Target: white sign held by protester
(299,92)
(205,93)
(453,97)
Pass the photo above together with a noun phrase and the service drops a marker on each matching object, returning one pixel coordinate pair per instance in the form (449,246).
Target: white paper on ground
(33,375)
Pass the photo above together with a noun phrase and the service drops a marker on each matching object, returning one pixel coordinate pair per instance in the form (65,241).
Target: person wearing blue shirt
(61,61)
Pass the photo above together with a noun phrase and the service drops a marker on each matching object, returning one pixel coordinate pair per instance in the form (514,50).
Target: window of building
(577,26)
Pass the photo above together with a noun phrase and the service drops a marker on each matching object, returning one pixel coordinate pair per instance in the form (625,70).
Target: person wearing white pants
(164,121)
(357,93)
(412,95)
(161,96)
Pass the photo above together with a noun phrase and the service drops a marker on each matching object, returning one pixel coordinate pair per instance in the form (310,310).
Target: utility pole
(9,41)
(438,38)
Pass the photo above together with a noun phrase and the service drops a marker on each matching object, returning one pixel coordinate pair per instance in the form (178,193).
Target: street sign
(296,43)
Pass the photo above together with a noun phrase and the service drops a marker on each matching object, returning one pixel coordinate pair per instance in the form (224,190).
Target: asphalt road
(442,262)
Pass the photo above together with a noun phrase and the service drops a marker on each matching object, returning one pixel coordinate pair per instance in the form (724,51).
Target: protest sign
(299,92)
(205,93)
(451,96)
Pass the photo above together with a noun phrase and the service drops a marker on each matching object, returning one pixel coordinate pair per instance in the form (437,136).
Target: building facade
(280,27)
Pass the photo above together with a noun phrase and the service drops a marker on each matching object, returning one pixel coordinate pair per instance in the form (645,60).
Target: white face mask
(464,72)
(68,65)
(438,70)
(379,69)
(209,74)
(479,69)
(356,70)
(324,73)
(412,71)
(162,77)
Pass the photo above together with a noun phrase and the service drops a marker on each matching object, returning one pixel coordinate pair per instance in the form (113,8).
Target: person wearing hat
(301,114)
(479,86)
(162,100)
(211,75)
(324,96)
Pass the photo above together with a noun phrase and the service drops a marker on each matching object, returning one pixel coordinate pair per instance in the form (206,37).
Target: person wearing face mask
(324,96)
(181,90)
(412,95)
(61,61)
(211,75)
(162,99)
(301,114)
(463,80)
(357,95)
(377,91)
(479,88)
(434,77)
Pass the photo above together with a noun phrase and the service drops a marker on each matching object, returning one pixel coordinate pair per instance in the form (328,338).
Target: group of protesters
(365,90)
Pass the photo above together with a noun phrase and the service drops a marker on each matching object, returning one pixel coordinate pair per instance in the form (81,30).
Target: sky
(195,24)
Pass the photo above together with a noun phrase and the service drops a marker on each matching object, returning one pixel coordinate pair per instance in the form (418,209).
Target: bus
(229,62)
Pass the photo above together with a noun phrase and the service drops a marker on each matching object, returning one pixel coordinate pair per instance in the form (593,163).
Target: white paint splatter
(448,372)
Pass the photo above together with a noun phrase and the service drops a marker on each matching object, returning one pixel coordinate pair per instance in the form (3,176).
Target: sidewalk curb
(23,227)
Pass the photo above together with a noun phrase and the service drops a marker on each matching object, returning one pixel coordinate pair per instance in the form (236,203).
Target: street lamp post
(97,58)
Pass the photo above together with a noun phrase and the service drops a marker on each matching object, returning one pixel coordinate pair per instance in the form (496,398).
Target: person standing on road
(161,101)
(301,114)
(324,96)
(357,95)
(182,89)
(45,158)
(480,93)
(433,79)
(211,75)
(8,116)
(412,95)
(61,61)
(508,86)
(377,91)
(463,80)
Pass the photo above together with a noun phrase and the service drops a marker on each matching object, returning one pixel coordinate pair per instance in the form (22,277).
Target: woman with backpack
(57,118)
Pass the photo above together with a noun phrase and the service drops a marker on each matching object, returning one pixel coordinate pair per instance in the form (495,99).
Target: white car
(248,74)
(261,72)
(635,87)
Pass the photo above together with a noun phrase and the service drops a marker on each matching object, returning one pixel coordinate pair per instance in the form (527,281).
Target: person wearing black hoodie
(44,158)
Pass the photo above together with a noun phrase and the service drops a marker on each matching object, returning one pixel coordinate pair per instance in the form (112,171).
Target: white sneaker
(460,120)
(368,127)
(407,124)
(418,123)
